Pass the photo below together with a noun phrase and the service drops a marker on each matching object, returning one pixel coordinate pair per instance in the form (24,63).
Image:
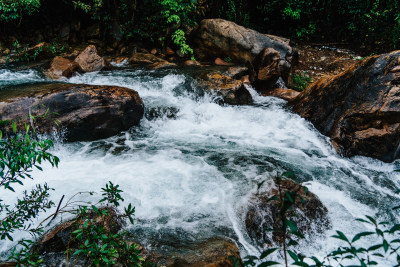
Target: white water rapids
(190,175)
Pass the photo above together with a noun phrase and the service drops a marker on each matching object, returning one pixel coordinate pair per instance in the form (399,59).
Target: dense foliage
(371,26)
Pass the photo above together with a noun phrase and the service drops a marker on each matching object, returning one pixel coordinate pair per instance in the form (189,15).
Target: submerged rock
(231,91)
(285,94)
(88,60)
(310,215)
(359,109)
(87,112)
(213,252)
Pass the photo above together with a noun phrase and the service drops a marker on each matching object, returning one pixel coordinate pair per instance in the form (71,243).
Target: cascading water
(192,165)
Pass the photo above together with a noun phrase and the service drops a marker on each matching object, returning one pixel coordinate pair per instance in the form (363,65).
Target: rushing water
(192,165)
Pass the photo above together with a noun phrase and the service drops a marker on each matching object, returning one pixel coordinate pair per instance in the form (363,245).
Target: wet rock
(214,252)
(286,94)
(88,60)
(310,215)
(220,38)
(236,72)
(62,67)
(220,62)
(87,112)
(8,264)
(150,61)
(231,91)
(359,109)
(161,112)
(191,63)
(169,51)
(265,70)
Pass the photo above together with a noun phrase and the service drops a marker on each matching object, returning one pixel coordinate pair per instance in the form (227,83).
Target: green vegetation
(384,238)
(369,26)
(19,155)
(301,81)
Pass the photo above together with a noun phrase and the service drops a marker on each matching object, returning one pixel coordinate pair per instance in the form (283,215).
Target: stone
(169,51)
(230,91)
(62,67)
(213,252)
(88,60)
(310,215)
(221,38)
(265,70)
(359,109)
(191,63)
(150,61)
(86,112)
(220,62)
(236,72)
(285,94)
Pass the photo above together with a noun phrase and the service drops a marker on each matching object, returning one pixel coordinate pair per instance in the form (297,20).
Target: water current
(192,164)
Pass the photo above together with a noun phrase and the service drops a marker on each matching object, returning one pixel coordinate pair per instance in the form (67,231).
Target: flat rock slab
(86,112)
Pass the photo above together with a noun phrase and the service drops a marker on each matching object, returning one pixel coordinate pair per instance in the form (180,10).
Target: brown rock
(214,252)
(220,62)
(236,72)
(191,63)
(88,112)
(285,94)
(153,51)
(150,61)
(62,67)
(231,91)
(265,70)
(221,38)
(88,60)
(169,51)
(309,215)
(358,109)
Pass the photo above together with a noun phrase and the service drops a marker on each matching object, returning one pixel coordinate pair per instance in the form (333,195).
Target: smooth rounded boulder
(264,220)
(86,112)
(359,109)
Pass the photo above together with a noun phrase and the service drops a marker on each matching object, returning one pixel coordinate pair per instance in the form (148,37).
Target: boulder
(359,109)
(150,61)
(88,60)
(285,94)
(236,72)
(231,91)
(310,215)
(213,252)
(220,62)
(87,112)
(264,71)
(221,38)
(62,67)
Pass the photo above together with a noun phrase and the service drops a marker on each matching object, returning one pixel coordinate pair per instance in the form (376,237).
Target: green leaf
(341,236)
(268,263)
(359,235)
(267,252)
